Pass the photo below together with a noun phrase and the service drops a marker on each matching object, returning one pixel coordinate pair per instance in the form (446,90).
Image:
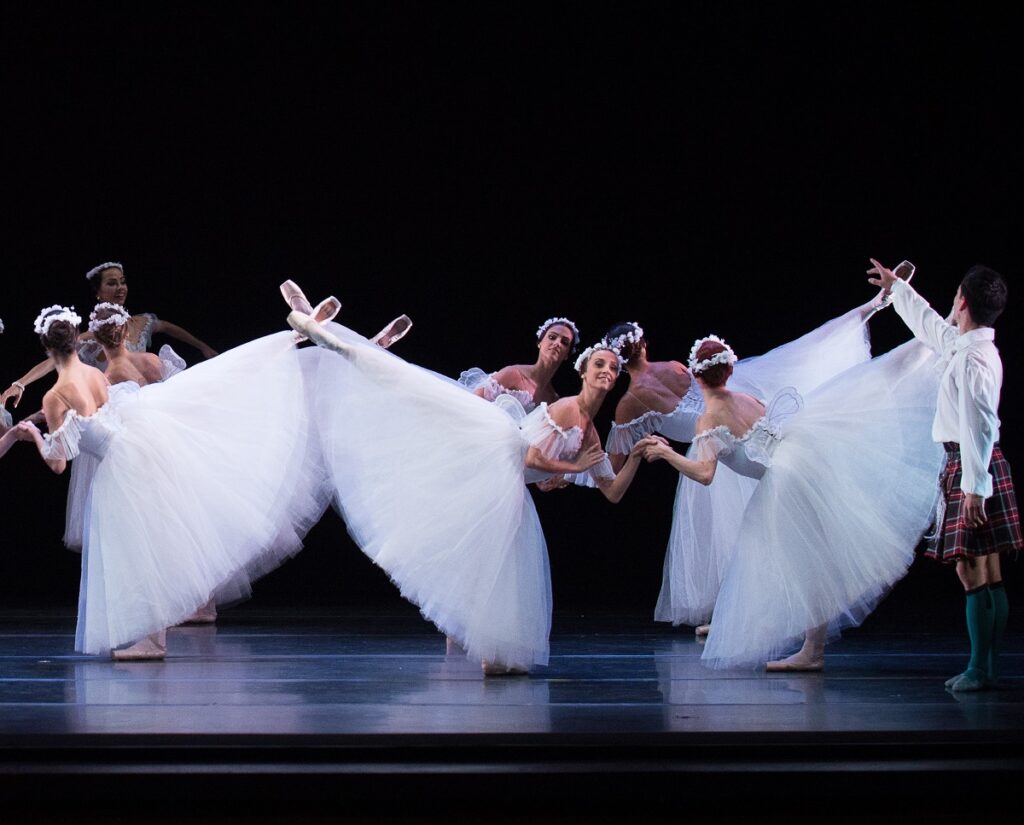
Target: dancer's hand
(11,392)
(27,431)
(37,418)
(974,510)
(553,483)
(885,277)
(594,454)
(655,447)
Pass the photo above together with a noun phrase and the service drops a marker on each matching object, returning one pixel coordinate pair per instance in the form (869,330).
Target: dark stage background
(699,167)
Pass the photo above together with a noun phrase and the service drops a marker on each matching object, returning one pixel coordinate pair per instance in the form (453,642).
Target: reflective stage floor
(317,716)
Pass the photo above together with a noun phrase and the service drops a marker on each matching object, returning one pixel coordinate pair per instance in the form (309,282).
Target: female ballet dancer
(109,324)
(528,384)
(190,496)
(109,286)
(663,398)
(843,498)
(432,486)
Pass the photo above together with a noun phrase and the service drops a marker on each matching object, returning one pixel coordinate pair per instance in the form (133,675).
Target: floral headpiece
(632,337)
(726,356)
(550,322)
(118,317)
(96,270)
(600,345)
(56,313)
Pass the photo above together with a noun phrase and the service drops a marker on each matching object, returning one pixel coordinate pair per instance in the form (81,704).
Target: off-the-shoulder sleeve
(623,437)
(170,362)
(63,443)
(710,444)
(552,441)
(476,379)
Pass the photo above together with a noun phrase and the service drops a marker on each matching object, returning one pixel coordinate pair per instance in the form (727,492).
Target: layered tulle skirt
(210,481)
(430,482)
(834,522)
(705,525)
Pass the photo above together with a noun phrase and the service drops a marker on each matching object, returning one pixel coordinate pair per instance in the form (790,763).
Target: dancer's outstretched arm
(703,471)
(614,489)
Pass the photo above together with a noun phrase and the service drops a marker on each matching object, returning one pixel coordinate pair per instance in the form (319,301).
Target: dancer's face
(556,342)
(113,287)
(602,370)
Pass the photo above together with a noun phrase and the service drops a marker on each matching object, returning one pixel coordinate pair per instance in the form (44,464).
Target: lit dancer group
(812,475)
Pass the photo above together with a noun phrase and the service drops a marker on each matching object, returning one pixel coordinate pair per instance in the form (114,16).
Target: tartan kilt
(954,540)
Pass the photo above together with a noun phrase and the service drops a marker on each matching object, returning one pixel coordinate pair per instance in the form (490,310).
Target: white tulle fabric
(90,350)
(491,389)
(205,482)
(847,494)
(704,520)
(430,482)
(84,466)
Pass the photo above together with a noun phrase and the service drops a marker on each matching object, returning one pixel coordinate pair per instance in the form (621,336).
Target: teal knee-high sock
(1000,613)
(979,627)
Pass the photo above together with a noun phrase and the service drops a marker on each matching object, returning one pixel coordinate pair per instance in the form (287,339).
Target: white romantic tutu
(833,524)
(704,522)
(206,482)
(84,466)
(430,482)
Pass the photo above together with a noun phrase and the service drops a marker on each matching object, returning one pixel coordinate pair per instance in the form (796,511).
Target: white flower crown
(726,356)
(96,270)
(550,322)
(119,317)
(600,345)
(59,313)
(631,337)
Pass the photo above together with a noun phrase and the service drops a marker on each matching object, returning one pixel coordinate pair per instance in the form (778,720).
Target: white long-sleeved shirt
(968,401)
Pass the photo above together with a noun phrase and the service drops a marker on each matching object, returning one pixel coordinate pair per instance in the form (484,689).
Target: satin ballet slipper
(393,332)
(207,614)
(326,310)
(295,298)
(702,630)
(498,669)
(152,648)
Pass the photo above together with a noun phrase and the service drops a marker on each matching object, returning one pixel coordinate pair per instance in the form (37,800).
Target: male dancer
(981,519)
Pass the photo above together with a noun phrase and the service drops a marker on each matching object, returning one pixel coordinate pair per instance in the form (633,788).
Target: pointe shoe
(295,298)
(498,669)
(452,646)
(207,614)
(326,310)
(393,332)
(702,630)
(795,666)
(152,648)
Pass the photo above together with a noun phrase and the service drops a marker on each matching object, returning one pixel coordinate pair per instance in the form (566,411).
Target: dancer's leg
(809,658)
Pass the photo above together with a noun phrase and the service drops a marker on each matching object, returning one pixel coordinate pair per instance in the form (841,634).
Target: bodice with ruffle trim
(749,454)
(476,379)
(540,431)
(680,424)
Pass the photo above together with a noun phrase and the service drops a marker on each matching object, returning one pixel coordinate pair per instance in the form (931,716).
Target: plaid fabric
(1000,534)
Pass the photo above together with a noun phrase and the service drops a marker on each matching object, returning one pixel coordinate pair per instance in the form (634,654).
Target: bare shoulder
(510,377)
(628,409)
(565,412)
